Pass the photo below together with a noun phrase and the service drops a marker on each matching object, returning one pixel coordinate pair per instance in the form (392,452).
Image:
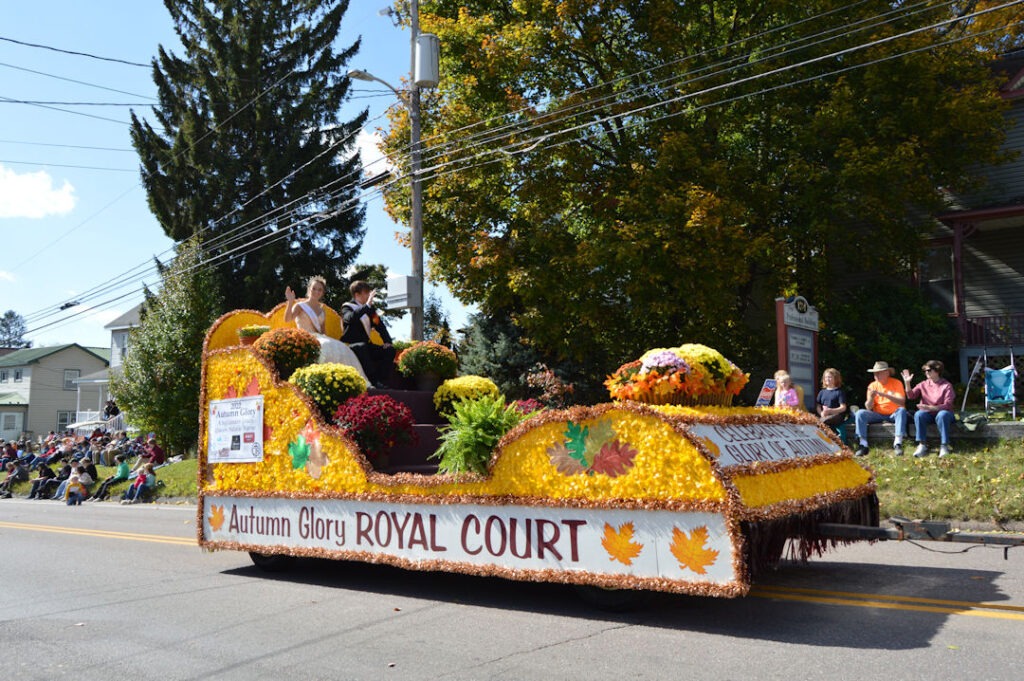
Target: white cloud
(33,195)
(374,162)
(6,276)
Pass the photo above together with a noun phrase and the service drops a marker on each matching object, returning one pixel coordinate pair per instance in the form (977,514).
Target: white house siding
(48,394)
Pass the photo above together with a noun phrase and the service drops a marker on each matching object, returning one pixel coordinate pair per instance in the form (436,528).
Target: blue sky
(73,220)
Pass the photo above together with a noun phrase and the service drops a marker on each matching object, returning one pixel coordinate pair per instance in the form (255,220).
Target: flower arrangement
(376,423)
(688,374)
(328,385)
(287,349)
(462,388)
(252,331)
(528,406)
(427,357)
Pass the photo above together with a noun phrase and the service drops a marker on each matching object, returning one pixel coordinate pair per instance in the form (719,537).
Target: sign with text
(736,444)
(797,335)
(685,546)
(235,430)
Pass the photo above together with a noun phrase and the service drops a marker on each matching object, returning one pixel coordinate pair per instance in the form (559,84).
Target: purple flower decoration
(665,360)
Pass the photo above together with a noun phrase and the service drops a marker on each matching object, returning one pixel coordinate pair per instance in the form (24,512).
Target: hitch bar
(918,530)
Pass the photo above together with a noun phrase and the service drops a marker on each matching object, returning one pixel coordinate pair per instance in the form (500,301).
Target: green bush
(253,331)
(462,388)
(329,385)
(883,321)
(474,430)
(287,349)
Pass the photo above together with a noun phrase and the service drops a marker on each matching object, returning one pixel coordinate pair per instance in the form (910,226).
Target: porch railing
(995,330)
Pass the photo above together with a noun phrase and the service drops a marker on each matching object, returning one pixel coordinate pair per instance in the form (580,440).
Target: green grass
(979,482)
(179,482)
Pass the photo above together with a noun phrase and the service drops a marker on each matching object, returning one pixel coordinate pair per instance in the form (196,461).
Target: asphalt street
(106,591)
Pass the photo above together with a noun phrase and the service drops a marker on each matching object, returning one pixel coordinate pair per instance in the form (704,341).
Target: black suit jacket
(352,314)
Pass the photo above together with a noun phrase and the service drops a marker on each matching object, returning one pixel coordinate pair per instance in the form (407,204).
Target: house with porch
(975,265)
(39,389)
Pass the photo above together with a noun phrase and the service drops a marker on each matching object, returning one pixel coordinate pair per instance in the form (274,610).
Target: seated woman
(309,315)
(935,406)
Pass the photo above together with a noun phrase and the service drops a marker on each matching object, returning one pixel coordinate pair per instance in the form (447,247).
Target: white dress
(332,350)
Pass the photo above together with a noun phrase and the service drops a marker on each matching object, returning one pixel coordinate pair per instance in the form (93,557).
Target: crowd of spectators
(75,457)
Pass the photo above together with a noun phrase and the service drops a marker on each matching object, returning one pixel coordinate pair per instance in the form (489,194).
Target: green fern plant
(474,429)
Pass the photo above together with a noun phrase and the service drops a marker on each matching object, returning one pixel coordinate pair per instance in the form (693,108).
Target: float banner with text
(736,444)
(235,430)
(681,546)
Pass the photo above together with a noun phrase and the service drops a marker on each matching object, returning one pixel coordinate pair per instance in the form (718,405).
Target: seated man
(886,401)
(366,334)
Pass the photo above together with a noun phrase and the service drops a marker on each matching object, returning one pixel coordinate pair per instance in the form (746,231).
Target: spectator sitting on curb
(43,474)
(122,473)
(886,401)
(936,406)
(15,473)
(146,480)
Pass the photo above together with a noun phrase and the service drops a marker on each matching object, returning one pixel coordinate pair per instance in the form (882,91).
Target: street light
(423,69)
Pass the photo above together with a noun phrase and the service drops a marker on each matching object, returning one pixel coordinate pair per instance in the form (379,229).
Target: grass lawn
(979,482)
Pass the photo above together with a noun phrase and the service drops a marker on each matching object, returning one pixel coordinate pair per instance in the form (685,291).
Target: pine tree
(247,149)
(12,331)
(159,386)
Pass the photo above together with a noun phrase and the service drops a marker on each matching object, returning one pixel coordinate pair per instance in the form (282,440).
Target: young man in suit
(366,334)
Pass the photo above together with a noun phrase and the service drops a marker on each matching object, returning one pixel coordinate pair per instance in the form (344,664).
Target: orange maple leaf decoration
(216,517)
(252,389)
(619,543)
(690,551)
(230,393)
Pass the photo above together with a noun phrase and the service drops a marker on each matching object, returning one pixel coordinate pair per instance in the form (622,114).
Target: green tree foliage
(894,324)
(436,325)
(247,149)
(625,175)
(158,388)
(12,331)
(494,347)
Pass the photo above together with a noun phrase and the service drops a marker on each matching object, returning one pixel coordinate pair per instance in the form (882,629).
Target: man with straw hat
(886,402)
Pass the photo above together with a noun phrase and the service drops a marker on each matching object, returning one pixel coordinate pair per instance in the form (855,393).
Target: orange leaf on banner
(216,517)
(619,543)
(690,551)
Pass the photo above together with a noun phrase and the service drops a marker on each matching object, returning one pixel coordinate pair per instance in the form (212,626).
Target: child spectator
(145,481)
(75,492)
(786,396)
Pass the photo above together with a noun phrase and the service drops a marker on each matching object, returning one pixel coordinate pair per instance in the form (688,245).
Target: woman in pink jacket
(935,405)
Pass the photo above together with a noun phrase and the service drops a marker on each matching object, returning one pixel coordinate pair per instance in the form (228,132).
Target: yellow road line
(889,597)
(156,538)
(886,602)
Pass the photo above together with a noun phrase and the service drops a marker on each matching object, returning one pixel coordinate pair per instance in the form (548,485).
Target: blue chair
(1000,390)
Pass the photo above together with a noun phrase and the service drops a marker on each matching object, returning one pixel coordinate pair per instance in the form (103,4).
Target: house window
(937,277)
(70,376)
(10,422)
(17,375)
(3,375)
(63,419)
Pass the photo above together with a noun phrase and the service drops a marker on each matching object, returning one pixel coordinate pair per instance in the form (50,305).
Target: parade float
(666,488)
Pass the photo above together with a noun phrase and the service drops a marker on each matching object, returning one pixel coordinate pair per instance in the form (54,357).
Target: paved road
(122,592)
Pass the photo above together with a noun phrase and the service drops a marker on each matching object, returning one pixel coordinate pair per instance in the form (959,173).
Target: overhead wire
(283,233)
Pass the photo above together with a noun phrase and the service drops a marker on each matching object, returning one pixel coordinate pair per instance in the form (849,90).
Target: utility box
(404,292)
(428,54)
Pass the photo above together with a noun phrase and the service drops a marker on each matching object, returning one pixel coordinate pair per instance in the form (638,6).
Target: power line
(77,82)
(65,146)
(65,165)
(77,54)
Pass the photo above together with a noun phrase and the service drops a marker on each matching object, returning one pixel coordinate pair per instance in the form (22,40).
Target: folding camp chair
(999,390)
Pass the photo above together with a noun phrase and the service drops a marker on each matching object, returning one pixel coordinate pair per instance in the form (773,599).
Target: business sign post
(797,332)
